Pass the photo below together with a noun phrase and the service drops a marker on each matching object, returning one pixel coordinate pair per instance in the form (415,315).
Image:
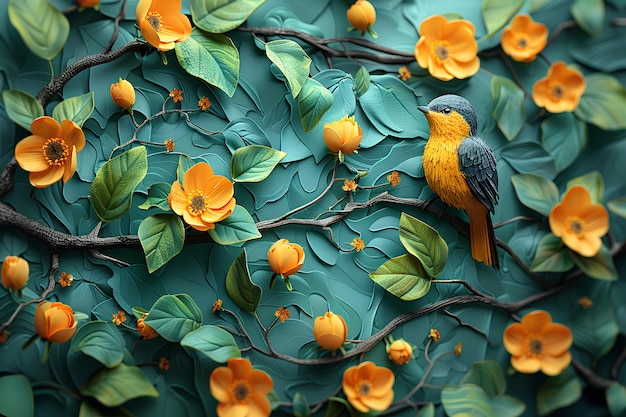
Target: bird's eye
(446,110)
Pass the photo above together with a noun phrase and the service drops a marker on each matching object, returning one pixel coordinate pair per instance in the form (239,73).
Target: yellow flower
(176,94)
(343,135)
(404,73)
(361,16)
(560,90)
(524,38)
(285,258)
(394,178)
(585,302)
(217,305)
(357,244)
(119,318)
(204,199)
(49,154)
(162,24)
(54,321)
(164,364)
(66,279)
(241,390)
(123,94)
(458,349)
(368,387)
(169,145)
(447,48)
(538,344)
(282,314)
(204,103)
(144,329)
(349,186)
(434,334)
(14,272)
(578,222)
(330,331)
(399,351)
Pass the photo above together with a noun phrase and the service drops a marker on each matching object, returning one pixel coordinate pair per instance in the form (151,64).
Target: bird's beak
(423,109)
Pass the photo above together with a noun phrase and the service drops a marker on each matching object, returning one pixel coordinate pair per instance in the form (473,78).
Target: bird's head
(450,113)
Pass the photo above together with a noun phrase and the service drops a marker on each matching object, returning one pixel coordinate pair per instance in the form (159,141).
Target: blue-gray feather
(478,164)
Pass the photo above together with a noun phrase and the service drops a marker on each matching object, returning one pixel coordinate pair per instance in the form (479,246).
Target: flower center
(154,18)
(575,226)
(364,388)
(522,43)
(439,51)
(241,391)
(557,92)
(196,203)
(55,151)
(535,347)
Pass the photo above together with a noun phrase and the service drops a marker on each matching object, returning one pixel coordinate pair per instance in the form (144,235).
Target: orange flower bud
(54,321)
(88,3)
(285,258)
(399,352)
(361,15)
(145,330)
(14,272)
(330,331)
(123,94)
(343,135)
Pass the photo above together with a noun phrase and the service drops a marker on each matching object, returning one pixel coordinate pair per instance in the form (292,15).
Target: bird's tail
(482,237)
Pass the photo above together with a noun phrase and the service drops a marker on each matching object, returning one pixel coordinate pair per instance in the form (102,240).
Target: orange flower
(204,199)
(282,314)
(162,24)
(458,349)
(404,73)
(368,387)
(559,91)
(585,302)
(285,258)
(357,244)
(217,305)
(447,48)
(524,38)
(164,364)
(349,186)
(434,334)
(204,103)
(119,318)
(394,178)
(14,272)
(123,94)
(343,135)
(362,16)
(399,351)
(144,329)
(88,3)
(330,331)
(169,145)
(66,279)
(49,154)
(176,94)
(578,222)
(538,344)
(54,321)
(241,390)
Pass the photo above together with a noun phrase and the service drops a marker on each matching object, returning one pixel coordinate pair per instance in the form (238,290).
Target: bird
(460,168)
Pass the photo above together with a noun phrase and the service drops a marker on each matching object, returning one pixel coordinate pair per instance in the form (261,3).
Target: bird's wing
(478,163)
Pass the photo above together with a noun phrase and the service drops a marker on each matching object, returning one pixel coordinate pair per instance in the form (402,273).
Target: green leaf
(507,405)
(254,163)
(564,136)
(21,107)
(213,342)
(425,243)
(93,409)
(162,237)
(616,400)
(536,192)
(173,316)
(338,407)
(558,392)
(469,399)
(300,405)
(488,375)
(508,106)
(589,14)
(603,101)
(593,182)
(292,61)
(18,396)
(618,206)
(551,255)
(403,276)
(77,109)
(157,196)
(211,57)
(43,28)
(245,293)
(362,81)
(112,188)
(427,410)
(498,13)
(100,340)
(595,328)
(115,386)
(600,266)
(528,157)
(219,16)
(184,164)
(236,228)
(314,100)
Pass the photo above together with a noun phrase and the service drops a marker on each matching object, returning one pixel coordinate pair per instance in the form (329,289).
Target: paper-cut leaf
(254,163)
(77,109)
(313,101)
(589,14)
(16,387)
(115,386)
(425,243)
(300,406)
(558,392)
(536,192)
(292,61)
(618,206)
(21,107)
(595,329)
(603,101)
(362,81)
(498,13)
(245,293)
(488,375)
(213,342)
(528,157)
(564,136)
(403,276)
(157,196)
(551,256)
(427,410)
(162,237)
(508,106)
(616,399)
(236,228)
(600,266)
(470,399)
(173,316)
(219,16)
(184,164)
(100,340)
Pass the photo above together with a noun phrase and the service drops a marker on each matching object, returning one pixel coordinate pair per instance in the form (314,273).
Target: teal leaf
(112,188)
(173,316)
(528,157)
(600,266)
(603,101)
(77,109)
(498,13)
(213,342)
(100,340)
(236,228)
(507,405)
(212,57)
(157,196)
(254,163)
(403,276)
(245,293)
(427,410)
(425,243)
(616,399)
(292,60)
(488,375)
(508,106)
(362,81)
(115,386)
(589,14)
(93,409)
(536,192)
(184,164)
(300,405)
(595,329)
(162,237)
(551,256)
(564,136)
(313,101)
(618,206)
(219,16)
(16,387)
(593,182)
(43,28)
(558,392)
(21,107)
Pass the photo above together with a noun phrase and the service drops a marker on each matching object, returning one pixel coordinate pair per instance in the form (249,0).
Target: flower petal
(70,166)
(525,364)
(29,154)
(45,178)
(536,321)
(554,365)
(259,405)
(378,403)
(557,338)
(241,367)
(73,135)
(142,10)
(433,27)
(462,70)
(219,383)
(229,409)
(513,339)
(196,176)
(62,335)
(260,382)
(46,127)
(177,198)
